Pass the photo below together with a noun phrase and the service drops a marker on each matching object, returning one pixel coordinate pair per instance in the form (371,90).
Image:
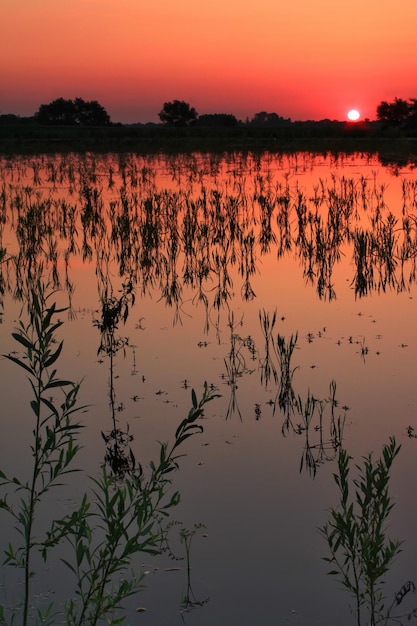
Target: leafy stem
(361,553)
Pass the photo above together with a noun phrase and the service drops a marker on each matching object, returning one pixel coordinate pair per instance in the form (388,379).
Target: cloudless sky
(303,59)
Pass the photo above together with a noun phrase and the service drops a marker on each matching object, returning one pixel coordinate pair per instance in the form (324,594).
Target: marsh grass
(114,521)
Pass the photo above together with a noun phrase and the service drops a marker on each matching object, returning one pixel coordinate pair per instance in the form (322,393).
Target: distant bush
(76,112)
(217,119)
(268,119)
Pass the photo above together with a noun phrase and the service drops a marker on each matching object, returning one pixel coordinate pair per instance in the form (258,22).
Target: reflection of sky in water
(261,557)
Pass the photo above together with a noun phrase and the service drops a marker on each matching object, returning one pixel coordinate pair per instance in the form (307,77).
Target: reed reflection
(312,417)
(236,364)
(119,456)
(317,420)
(200,225)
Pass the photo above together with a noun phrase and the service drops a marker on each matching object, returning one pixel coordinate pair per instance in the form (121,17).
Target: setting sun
(353,115)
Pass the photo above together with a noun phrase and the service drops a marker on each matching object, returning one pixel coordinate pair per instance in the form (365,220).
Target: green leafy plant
(118,519)
(125,521)
(361,552)
(54,435)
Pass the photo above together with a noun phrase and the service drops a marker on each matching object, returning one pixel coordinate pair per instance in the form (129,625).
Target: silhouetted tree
(412,118)
(395,112)
(76,112)
(91,113)
(217,119)
(177,113)
(268,119)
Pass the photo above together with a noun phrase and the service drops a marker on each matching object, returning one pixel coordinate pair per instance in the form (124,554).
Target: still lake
(228,258)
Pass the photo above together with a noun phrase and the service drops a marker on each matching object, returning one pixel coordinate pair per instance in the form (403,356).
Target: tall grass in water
(54,433)
(119,455)
(111,524)
(361,553)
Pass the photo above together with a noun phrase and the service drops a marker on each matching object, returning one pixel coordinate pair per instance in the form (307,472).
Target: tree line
(178,113)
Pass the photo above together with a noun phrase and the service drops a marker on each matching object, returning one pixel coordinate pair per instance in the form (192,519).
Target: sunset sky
(303,59)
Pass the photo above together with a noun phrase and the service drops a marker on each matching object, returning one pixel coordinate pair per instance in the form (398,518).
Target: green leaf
(20,363)
(194,398)
(58,383)
(68,564)
(54,356)
(22,340)
(35,406)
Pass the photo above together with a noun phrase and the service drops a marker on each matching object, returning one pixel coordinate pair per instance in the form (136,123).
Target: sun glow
(353,115)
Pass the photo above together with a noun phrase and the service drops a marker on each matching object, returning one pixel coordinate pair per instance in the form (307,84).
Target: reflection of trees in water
(199,226)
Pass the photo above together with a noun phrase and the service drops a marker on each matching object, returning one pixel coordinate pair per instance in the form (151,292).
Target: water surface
(222,255)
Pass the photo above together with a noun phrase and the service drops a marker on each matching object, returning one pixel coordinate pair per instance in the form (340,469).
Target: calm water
(224,255)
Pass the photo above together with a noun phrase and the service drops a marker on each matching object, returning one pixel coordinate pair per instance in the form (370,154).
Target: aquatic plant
(235,364)
(267,366)
(210,231)
(54,434)
(189,600)
(361,552)
(126,521)
(112,523)
(285,350)
(299,414)
(323,448)
(114,310)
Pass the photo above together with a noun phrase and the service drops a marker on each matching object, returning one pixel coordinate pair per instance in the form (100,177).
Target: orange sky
(303,59)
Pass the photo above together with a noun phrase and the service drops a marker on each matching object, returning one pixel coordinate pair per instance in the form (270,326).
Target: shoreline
(391,145)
